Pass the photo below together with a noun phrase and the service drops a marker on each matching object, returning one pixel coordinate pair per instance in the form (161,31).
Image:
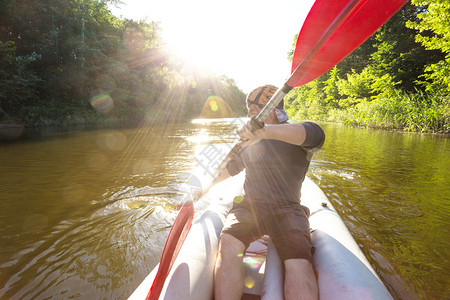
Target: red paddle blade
(177,235)
(346,31)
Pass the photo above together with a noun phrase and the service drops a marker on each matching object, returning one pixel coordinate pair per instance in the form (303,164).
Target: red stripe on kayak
(175,240)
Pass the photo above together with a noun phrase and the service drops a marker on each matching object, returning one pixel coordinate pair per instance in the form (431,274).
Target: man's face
(255,109)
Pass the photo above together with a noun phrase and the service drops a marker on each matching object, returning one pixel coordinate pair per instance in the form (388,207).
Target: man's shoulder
(315,136)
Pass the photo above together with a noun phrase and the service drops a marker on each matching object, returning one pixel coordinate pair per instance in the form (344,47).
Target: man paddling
(276,159)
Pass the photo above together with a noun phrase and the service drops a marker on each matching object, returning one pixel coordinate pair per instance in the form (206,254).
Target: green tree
(397,52)
(17,82)
(434,34)
(357,87)
(356,61)
(331,88)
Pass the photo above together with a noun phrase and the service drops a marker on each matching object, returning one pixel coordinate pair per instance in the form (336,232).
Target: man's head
(259,97)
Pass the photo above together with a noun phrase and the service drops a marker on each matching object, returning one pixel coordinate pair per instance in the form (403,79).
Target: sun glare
(200,42)
(192,57)
(247,41)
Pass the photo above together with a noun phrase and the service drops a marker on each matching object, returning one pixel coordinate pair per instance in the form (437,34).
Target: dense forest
(71,62)
(398,79)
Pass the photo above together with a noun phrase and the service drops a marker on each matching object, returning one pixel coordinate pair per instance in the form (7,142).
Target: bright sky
(246,40)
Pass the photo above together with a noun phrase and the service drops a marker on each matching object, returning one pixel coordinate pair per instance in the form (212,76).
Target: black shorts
(288,227)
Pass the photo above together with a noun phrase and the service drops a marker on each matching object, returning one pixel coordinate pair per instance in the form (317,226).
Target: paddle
(332,29)
(177,235)
(361,18)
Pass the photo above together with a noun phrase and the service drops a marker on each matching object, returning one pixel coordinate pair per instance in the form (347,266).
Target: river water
(85,214)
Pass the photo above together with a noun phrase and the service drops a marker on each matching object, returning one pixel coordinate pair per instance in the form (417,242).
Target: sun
(192,51)
(246,41)
(201,42)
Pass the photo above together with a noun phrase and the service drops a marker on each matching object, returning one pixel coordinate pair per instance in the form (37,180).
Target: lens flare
(252,262)
(214,106)
(249,282)
(238,199)
(115,141)
(102,103)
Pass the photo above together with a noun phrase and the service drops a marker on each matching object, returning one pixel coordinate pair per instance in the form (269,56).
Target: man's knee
(229,245)
(298,265)
(300,281)
(229,270)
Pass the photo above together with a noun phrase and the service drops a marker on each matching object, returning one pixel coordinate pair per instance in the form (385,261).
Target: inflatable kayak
(342,269)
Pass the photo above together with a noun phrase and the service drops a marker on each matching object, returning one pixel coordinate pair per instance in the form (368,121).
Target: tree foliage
(73,61)
(433,26)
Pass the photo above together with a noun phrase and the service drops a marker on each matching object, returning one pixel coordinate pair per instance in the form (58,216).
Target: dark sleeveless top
(275,170)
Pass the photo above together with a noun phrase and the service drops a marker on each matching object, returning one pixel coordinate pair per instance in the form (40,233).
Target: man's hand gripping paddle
(331,31)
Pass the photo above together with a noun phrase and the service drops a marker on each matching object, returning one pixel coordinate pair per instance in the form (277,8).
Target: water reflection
(391,190)
(86,213)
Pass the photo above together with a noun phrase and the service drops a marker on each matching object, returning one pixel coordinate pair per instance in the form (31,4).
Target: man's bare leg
(229,270)
(300,281)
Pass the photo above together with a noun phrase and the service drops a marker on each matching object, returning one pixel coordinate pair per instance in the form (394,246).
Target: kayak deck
(254,268)
(342,269)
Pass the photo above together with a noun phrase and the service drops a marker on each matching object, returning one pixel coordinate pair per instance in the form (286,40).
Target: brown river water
(85,213)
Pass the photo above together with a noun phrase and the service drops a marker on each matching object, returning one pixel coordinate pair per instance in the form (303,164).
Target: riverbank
(377,127)
(399,112)
(14,130)
(53,120)
(19,129)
